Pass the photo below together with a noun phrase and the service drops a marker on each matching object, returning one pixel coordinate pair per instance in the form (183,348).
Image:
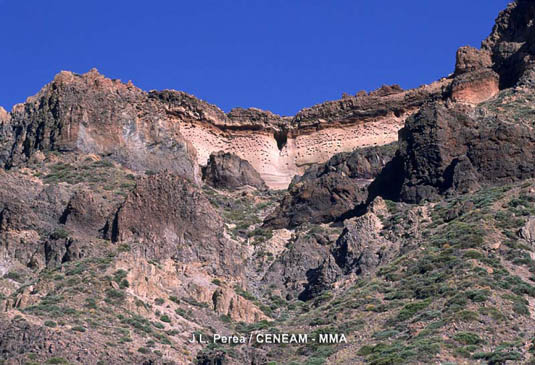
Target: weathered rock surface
(362,164)
(171,218)
(87,212)
(281,147)
(512,45)
(92,114)
(149,131)
(19,337)
(228,171)
(298,265)
(29,214)
(528,231)
(227,302)
(100,264)
(360,248)
(458,148)
(327,191)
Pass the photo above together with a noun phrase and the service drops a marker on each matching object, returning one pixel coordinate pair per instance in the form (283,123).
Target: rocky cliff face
(456,147)
(175,131)
(326,192)
(151,131)
(281,147)
(113,250)
(511,44)
(92,114)
(168,217)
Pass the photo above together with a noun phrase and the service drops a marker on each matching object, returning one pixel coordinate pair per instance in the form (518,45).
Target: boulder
(326,192)
(228,171)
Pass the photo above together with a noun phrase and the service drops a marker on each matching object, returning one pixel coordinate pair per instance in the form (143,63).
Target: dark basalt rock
(321,279)
(512,43)
(328,191)
(215,357)
(228,171)
(317,201)
(456,149)
(363,164)
(61,250)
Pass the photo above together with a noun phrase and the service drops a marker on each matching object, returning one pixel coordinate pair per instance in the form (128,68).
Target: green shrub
(165,318)
(90,303)
(225,318)
(315,361)
(409,310)
(115,295)
(498,357)
(385,334)
(473,254)
(467,316)
(244,293)
(15,276)
(59,233)
(468,338)
(56,360)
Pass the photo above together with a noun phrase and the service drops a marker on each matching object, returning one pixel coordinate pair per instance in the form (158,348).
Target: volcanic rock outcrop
(456,147)
(92,114)
(151,131)
(228,171)
(173,130)
(297,265)
(170,218)
(327,191)
(112,252)
(511,44)
(281,147)
(360,248)
(445,149)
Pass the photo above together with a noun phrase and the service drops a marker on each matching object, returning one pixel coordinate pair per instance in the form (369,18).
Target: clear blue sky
(280,55)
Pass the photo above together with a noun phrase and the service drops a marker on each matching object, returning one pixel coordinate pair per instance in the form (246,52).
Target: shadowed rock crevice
(282,138)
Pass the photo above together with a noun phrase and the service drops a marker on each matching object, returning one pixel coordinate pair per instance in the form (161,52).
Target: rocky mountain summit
(131,221)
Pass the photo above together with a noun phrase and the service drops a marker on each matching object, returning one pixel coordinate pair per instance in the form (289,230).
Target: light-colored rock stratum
(281,147)
(93,114)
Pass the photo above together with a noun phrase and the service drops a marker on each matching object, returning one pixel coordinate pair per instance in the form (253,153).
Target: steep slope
(113,250)
(92,114)
(457,146)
